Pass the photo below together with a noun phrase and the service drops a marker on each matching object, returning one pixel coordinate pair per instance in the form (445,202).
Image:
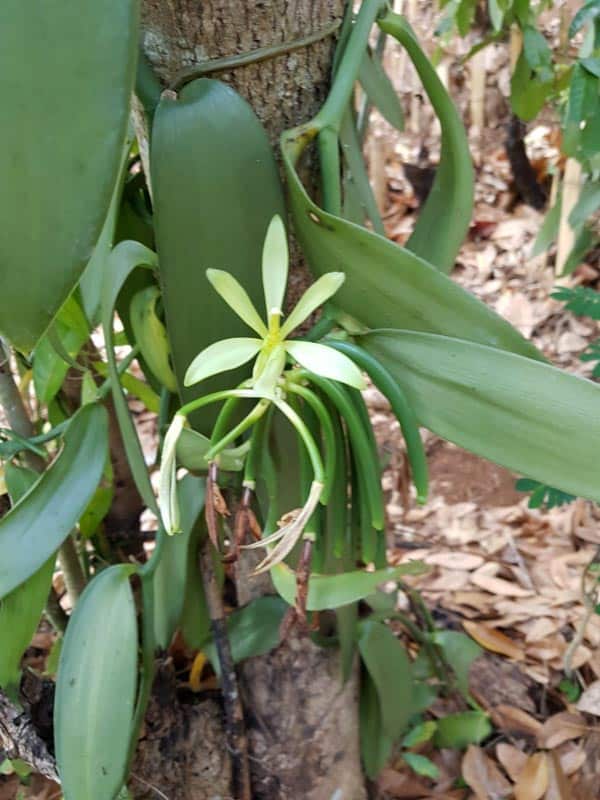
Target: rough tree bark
(303,724)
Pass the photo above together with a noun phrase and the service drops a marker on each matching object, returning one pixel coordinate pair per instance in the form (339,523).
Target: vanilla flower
(273,345)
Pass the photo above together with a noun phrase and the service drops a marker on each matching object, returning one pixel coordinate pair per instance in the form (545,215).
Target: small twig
(590,600)
(20,739)
(237,742)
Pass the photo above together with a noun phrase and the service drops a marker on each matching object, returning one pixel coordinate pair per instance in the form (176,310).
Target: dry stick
(235,729)
(20,739)
(19,421)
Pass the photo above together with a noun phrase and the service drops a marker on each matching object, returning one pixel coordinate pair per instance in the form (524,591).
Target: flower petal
(167,484)
(270,372)
(221,356)
(326,361)
(293,531)
(313,297)
(236,298)
(275,264)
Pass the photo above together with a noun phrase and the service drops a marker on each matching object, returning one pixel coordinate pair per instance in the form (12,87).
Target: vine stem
(237,740)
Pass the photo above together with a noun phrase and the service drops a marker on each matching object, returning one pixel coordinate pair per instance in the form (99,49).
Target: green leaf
(151,336)
(61,143)
(588,13)
(419,734)
(275,265)
(459,652)
(460,730)
(170,577)
(44,517)
(192,448)
(528,92)
(221,357)
(95,688)
(581,300)
(587,204)
(524,415)
(333,591)
(252,630)
(216,189)
(327,362)
(449,205)
(380,90)
(21,609)
(538,53)
(375,744)
(465,13)
(542,495)
(90,284)
(49,369)
(549,230)
(388,285)
(388,664)
(123,260)
(496,13)
(421,765)
(356,177)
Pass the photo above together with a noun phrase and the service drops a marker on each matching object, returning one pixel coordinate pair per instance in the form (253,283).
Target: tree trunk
(302,722)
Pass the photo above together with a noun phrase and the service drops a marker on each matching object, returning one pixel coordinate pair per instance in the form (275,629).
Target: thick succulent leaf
(95,688)
(90,284)
(192,448)
(333,591)
(71,329)
(66,117)
(275,265)
(525,415)
(236,297)
(252,630)
(220,357)
(170,577)
(43,518)
(325,361)
(21,609)
(387,285)
(444,220)
(388,664)
(375,743)
(316,295)
(216,189)
(380,90)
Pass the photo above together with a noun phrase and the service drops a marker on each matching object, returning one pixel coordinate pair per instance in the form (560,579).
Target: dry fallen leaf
(561,728)
(512,759)
(533,780)
(492,640)
(483,776)
(499,586)
(572,758)
(455,560)
(558,785)
(512,720)
(590,700)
